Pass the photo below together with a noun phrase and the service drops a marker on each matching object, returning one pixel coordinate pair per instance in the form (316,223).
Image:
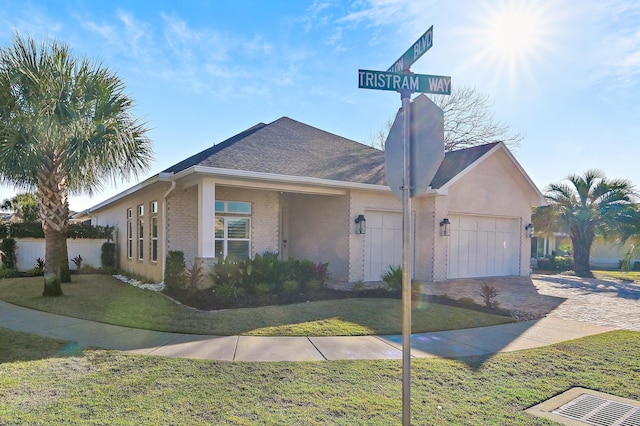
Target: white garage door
(483,247)
(383,243)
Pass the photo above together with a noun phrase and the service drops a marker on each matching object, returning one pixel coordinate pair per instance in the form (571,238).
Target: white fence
(30,249)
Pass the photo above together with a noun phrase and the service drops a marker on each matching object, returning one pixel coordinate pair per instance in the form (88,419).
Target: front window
(232,237)
(129,233)
(154,239)
(140,239)
(232,229)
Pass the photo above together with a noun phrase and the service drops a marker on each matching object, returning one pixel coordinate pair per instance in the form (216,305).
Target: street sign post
(416,50)
(407,83)
(383,80)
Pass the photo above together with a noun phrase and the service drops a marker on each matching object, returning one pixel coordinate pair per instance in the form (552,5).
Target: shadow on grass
(18,346)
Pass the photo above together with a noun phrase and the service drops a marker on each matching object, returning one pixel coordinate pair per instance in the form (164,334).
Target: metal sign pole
(406,262)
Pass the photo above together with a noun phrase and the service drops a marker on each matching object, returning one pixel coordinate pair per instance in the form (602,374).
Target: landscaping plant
(174,269)
(488,293)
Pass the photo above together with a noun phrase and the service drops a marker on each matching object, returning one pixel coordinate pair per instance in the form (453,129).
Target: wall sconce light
(361,224)
(444,227)
(529,230)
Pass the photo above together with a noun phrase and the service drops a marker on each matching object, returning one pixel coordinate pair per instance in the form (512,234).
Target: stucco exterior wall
(319,230)
(495,187)
(115,215)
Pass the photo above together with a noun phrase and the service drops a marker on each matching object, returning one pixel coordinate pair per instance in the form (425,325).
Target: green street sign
(424,43)
(382,80)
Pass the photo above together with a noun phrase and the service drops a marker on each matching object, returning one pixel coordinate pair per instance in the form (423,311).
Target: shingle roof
(289,147)
(456,161)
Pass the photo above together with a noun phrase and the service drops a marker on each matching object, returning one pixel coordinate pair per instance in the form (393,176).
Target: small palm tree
(590,205)
(66,126)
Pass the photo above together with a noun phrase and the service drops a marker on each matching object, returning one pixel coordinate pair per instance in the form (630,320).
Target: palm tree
(591,205)
(25,207)
(66,126)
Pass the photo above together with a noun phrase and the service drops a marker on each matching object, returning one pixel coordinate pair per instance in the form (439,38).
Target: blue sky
(565,74)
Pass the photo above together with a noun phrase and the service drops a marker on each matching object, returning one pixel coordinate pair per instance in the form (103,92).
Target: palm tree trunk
(581,252)
(56,267)
(54,212)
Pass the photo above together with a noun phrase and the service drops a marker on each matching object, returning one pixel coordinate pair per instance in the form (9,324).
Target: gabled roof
(288,147)
(456,161)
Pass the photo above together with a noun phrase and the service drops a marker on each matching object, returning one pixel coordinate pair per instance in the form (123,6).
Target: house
(604,254)
(291,188)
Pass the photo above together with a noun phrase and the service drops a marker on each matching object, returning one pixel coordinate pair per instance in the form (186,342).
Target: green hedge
(76,230)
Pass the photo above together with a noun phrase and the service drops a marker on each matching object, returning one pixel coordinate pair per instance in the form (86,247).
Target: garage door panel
(383,243)
(483,247)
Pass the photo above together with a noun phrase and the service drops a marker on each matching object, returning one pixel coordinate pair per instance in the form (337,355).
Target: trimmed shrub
(467,301)
(263,288)
(75,230)
(562,263)
(314,285)
(229,291)
(108,255)
(8,253)
(26,230)
(174,269)
(290,286)
(8,273)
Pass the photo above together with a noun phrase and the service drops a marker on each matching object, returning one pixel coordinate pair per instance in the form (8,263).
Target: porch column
(206,218)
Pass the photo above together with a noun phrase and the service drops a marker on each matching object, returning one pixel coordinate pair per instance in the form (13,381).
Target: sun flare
(511,37)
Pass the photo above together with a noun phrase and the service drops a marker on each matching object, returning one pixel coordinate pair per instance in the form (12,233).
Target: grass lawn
(110,387)
(103,298)
(621,275)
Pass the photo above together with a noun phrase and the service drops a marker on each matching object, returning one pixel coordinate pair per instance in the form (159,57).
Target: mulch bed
(206,300)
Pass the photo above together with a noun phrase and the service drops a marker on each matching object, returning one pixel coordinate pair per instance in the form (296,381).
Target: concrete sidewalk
(448,344)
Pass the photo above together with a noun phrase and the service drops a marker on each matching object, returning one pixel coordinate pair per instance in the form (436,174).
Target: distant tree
(24,206)
(587,206)
(66,125)
(468,122)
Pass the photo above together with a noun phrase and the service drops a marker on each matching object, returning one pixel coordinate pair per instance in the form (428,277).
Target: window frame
(154,238)
(130,233)
(140,231)
(225,239)
(227,211)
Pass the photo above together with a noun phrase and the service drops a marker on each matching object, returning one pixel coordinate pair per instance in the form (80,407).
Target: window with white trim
(154,239)
(232,229)
(140,233)
(154,231)
(129,233)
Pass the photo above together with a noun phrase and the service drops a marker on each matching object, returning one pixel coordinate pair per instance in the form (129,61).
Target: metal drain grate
(597,411)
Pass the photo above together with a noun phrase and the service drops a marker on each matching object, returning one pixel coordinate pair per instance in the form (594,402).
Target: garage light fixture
(361,224)
(444,227)
(529,230)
